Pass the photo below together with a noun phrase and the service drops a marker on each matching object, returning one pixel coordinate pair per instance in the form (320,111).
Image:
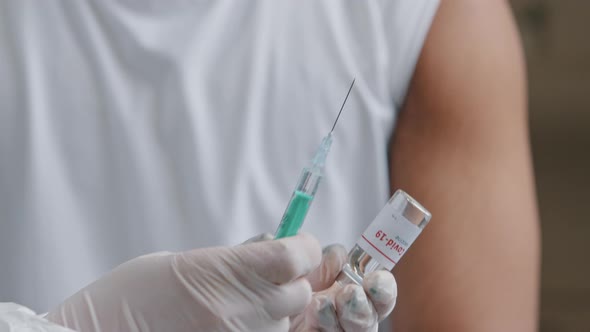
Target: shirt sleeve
(406,26)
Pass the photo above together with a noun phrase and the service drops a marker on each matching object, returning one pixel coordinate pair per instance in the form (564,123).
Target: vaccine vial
(387,238)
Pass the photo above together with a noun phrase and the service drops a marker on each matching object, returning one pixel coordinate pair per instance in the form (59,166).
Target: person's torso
(128,127)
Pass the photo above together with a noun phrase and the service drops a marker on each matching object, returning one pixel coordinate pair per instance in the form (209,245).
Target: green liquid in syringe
(294,215)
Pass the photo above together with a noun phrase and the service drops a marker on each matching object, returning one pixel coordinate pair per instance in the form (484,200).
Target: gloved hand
(251,287)
(335,307)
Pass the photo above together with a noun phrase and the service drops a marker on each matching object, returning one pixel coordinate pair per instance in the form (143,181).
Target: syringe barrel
(309,180)
(307,186)
(299,203)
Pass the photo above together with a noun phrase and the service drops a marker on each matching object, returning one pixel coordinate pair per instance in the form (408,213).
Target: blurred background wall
(556,35)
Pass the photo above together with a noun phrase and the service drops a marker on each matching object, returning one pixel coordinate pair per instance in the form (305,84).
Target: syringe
(308,184)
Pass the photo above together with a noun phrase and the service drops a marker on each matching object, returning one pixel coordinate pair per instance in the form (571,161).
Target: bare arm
(461,148)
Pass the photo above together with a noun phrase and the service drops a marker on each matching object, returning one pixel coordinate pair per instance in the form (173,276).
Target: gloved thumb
(259,238)
(333,258)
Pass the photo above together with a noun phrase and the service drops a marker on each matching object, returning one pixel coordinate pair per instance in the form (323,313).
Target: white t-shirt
(128,127)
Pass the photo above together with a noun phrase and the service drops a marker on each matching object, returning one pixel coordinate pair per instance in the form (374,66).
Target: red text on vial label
(391,243)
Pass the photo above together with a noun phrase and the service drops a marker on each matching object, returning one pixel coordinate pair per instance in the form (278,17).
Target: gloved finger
(355,311)
(259,238)
(320,314)
(281,261)
(333,258)
(382,290)
(290,299)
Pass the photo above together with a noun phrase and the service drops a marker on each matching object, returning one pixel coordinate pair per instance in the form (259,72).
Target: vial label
(388,237)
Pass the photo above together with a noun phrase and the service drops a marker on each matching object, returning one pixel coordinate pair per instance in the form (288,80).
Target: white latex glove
(348,308)
(251,287)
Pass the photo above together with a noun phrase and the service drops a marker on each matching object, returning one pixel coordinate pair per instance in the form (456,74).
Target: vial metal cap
(408,207)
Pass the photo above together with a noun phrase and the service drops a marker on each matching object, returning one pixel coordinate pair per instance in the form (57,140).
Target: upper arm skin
(461,148)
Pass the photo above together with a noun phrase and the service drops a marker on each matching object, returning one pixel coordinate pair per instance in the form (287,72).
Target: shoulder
(471,55)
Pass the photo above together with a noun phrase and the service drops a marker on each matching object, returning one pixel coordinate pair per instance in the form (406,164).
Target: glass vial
(387,238)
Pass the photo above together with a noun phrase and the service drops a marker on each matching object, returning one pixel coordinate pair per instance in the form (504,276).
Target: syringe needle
(342,107)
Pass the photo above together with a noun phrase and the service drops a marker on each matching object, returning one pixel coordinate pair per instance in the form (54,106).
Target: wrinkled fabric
(130,127)
(17,318)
